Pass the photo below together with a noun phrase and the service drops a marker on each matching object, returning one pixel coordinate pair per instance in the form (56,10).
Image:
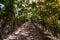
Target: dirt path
(28,31)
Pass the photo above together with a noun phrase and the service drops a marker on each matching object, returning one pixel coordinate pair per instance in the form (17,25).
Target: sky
(2,5)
